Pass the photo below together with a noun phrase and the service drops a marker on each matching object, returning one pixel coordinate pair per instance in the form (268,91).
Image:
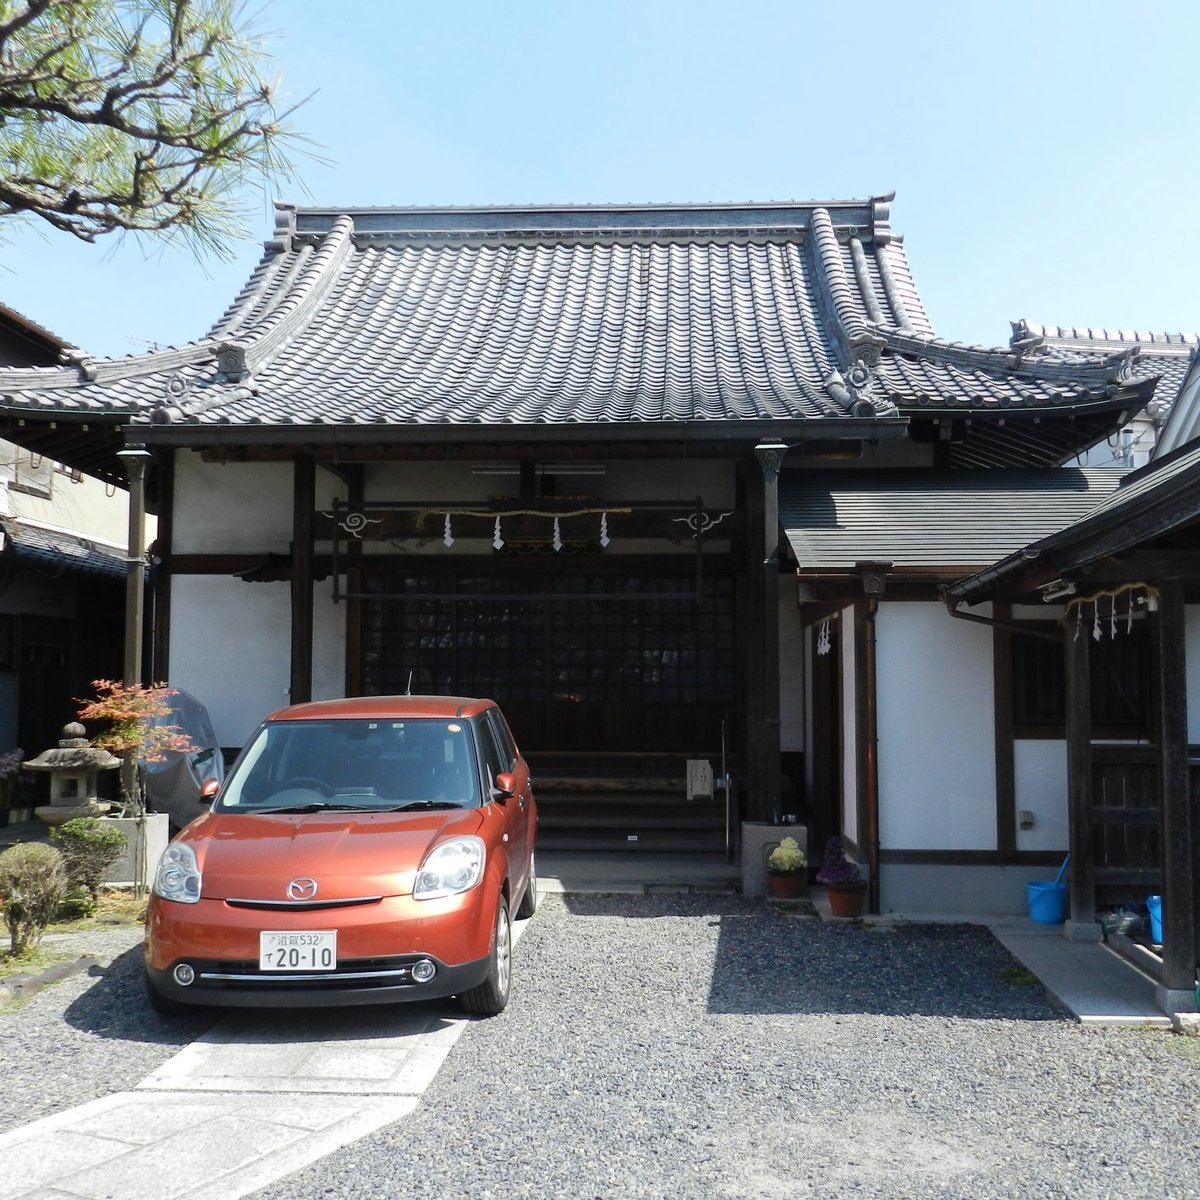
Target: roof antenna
(409,691)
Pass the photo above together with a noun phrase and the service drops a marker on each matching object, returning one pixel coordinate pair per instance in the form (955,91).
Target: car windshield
(359,764)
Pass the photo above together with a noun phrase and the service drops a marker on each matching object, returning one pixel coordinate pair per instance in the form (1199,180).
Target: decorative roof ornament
(231,362)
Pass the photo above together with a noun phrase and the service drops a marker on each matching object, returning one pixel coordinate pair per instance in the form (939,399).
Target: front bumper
(378,943)
(223,984)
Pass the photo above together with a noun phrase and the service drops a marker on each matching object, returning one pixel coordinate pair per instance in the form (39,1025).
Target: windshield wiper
(420,804)
(314,806)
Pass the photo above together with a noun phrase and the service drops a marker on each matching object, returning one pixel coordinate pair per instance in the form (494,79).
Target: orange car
(360,851)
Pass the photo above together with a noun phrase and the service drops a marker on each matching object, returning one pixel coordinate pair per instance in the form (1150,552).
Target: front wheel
(491,996)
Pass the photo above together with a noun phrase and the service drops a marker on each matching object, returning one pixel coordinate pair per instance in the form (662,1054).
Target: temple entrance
(585,662)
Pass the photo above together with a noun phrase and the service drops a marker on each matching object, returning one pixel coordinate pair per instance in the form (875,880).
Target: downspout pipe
(995,623)
(770,459)
(136,460)
(871,751)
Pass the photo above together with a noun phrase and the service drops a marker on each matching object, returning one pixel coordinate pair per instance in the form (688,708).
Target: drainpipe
(770,459)
(136,460)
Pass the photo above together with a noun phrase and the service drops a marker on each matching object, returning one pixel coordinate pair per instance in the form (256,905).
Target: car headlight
(178,877)
(452,867)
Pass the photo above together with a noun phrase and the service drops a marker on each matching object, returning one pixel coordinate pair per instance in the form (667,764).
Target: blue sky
(1043,155)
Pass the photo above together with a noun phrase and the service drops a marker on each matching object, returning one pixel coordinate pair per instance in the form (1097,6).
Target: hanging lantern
(558,542)
(497,540)
(447,534)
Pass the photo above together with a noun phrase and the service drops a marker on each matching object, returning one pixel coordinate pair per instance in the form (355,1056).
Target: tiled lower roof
(55,551)
(1157,500)
(930,519)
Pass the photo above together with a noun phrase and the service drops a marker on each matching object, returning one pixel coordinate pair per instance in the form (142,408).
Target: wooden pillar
(1178,822)
(304,488)
(160,654)
(1079,778)
(770,459)
(866,719)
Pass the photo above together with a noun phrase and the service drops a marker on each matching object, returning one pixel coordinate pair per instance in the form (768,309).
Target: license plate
(312,950)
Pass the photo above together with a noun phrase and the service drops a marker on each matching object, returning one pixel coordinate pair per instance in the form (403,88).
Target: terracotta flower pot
(846,899)
(786,885)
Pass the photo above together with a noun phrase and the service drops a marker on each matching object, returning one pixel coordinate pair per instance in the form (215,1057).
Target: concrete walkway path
(257,1097)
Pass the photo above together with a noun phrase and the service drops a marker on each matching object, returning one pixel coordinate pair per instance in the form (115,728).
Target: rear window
(366,763)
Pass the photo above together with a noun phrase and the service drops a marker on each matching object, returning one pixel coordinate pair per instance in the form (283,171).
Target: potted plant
(137,733)
(840,876)
(786,867)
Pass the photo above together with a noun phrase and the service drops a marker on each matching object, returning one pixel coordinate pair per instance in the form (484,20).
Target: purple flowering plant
(835,866)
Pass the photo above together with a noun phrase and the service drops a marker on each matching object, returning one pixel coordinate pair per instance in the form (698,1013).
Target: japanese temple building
(668,482)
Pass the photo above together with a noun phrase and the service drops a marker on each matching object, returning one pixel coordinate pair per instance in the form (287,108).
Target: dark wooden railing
(1126,819)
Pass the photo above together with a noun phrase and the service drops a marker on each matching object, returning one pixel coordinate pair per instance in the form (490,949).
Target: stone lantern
(73,766)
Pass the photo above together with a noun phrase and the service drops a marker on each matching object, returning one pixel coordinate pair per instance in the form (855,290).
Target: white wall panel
(1192,651)
(937,760)
(1040,770)
(329,645)
(231,648)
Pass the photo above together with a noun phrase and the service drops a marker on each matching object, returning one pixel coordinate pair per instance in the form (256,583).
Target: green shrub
(76,904)
(89,847)
(33,882)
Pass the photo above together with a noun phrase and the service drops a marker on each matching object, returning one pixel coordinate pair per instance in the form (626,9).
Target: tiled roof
(1155,501)
(528,318)
(56,550)
(929,519)
(1166,355)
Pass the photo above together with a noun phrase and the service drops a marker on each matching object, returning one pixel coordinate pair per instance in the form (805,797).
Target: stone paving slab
(221,1146)
(390,1052)
(1086,978)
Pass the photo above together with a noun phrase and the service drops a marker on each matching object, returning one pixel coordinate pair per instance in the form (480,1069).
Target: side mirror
(505,788)
(208,789)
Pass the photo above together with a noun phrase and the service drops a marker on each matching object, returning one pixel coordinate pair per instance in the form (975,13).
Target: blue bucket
(1154,904)
(1047,902)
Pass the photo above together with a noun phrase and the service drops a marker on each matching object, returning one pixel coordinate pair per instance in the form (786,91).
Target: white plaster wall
(237,508)
(792,671)
(850,731)
(231,648)
(1191,643)
(1040,785)
(937,768)
(84,506)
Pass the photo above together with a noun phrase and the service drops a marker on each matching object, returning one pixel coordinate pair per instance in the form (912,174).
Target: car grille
(365,973)
(302,905)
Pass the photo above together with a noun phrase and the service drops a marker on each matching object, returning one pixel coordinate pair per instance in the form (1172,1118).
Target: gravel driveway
(88,1036)
(712,1047)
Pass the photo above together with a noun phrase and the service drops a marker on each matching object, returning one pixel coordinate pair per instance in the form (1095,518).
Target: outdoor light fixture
(1058,590)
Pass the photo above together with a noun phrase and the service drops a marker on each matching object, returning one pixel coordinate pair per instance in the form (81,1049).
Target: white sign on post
(699,779)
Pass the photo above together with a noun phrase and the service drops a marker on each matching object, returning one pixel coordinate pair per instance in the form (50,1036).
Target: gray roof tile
(930,519)
(575,316)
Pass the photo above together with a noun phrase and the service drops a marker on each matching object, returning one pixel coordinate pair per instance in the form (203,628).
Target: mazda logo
(302,889)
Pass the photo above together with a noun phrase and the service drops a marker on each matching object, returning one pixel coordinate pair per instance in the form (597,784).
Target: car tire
(491,996)
(164,1005)
(529,901)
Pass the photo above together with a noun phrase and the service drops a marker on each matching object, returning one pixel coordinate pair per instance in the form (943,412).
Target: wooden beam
(1006,787)
(303,501)
(1144,566)
(1179,826)
(1079,778)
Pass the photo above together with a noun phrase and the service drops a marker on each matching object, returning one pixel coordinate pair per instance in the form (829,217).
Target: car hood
(242,856)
